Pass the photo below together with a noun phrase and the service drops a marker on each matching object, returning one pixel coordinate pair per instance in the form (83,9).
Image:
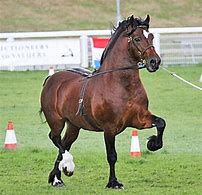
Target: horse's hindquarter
(60,96)
(51,95)
(68,95)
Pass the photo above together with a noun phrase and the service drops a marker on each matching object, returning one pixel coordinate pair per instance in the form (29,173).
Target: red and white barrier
(98,46)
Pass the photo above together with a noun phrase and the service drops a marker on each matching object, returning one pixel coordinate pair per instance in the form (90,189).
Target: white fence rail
(62,49)
(180,45)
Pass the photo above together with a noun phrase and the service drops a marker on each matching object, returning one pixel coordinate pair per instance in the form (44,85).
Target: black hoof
(58,184)
(67,173)
(153,144)
(55,179)
(114,184)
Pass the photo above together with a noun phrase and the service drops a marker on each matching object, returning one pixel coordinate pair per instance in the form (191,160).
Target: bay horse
(110,99)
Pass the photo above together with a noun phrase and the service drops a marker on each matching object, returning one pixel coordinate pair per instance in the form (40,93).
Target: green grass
(40,15)
(151,174)
(176,169)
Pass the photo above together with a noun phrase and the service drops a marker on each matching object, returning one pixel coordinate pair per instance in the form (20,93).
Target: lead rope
(180,78)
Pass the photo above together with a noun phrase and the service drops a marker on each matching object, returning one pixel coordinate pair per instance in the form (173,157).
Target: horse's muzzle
(153,64)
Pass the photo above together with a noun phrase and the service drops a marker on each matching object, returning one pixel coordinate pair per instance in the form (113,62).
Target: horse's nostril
(155,62)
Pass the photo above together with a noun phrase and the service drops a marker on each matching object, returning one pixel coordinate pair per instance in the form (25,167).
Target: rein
(95,74)
(81,111)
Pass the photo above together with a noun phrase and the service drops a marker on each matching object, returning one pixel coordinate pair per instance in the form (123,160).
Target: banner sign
(39,52)
(98,46)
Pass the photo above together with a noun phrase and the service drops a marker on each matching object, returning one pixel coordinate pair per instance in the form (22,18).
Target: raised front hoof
(67,173)
(153,144)
(114,184)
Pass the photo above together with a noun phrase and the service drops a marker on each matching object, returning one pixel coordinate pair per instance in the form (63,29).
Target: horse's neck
(118,57)
(112,61)
(125,78)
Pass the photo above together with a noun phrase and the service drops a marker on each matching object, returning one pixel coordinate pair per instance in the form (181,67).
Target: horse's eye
(151,36)
(136,39)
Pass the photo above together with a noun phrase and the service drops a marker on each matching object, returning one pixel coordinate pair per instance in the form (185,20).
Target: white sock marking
(56,180)
(67,162)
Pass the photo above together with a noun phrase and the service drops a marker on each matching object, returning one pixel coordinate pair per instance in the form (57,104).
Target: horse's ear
(131,19)
(147,20)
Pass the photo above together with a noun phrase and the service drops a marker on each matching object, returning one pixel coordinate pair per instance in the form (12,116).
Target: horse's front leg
(111,158)
(156,142)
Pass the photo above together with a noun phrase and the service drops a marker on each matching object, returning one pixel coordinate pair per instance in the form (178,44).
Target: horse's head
(141,43)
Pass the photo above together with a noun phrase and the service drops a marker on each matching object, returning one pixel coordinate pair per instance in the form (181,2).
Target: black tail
(46,80)
(40,114)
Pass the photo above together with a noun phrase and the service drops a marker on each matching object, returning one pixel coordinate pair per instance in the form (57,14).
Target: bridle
(140,64)
(141,53)
(134,43)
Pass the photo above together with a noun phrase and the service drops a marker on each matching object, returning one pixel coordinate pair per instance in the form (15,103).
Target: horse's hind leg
(156,142)
(70,136)
(64,159)
(56,129)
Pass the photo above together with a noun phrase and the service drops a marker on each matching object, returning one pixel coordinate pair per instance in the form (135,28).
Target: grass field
(176,169)
(40,15)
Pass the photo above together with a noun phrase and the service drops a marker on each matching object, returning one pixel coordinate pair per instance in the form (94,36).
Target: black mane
(134,22)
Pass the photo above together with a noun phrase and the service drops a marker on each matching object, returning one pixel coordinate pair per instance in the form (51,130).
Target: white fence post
(84,51)
(156,43)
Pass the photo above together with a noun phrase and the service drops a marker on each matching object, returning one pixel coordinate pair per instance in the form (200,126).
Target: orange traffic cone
(10,140)
(51,71)
(135,146)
